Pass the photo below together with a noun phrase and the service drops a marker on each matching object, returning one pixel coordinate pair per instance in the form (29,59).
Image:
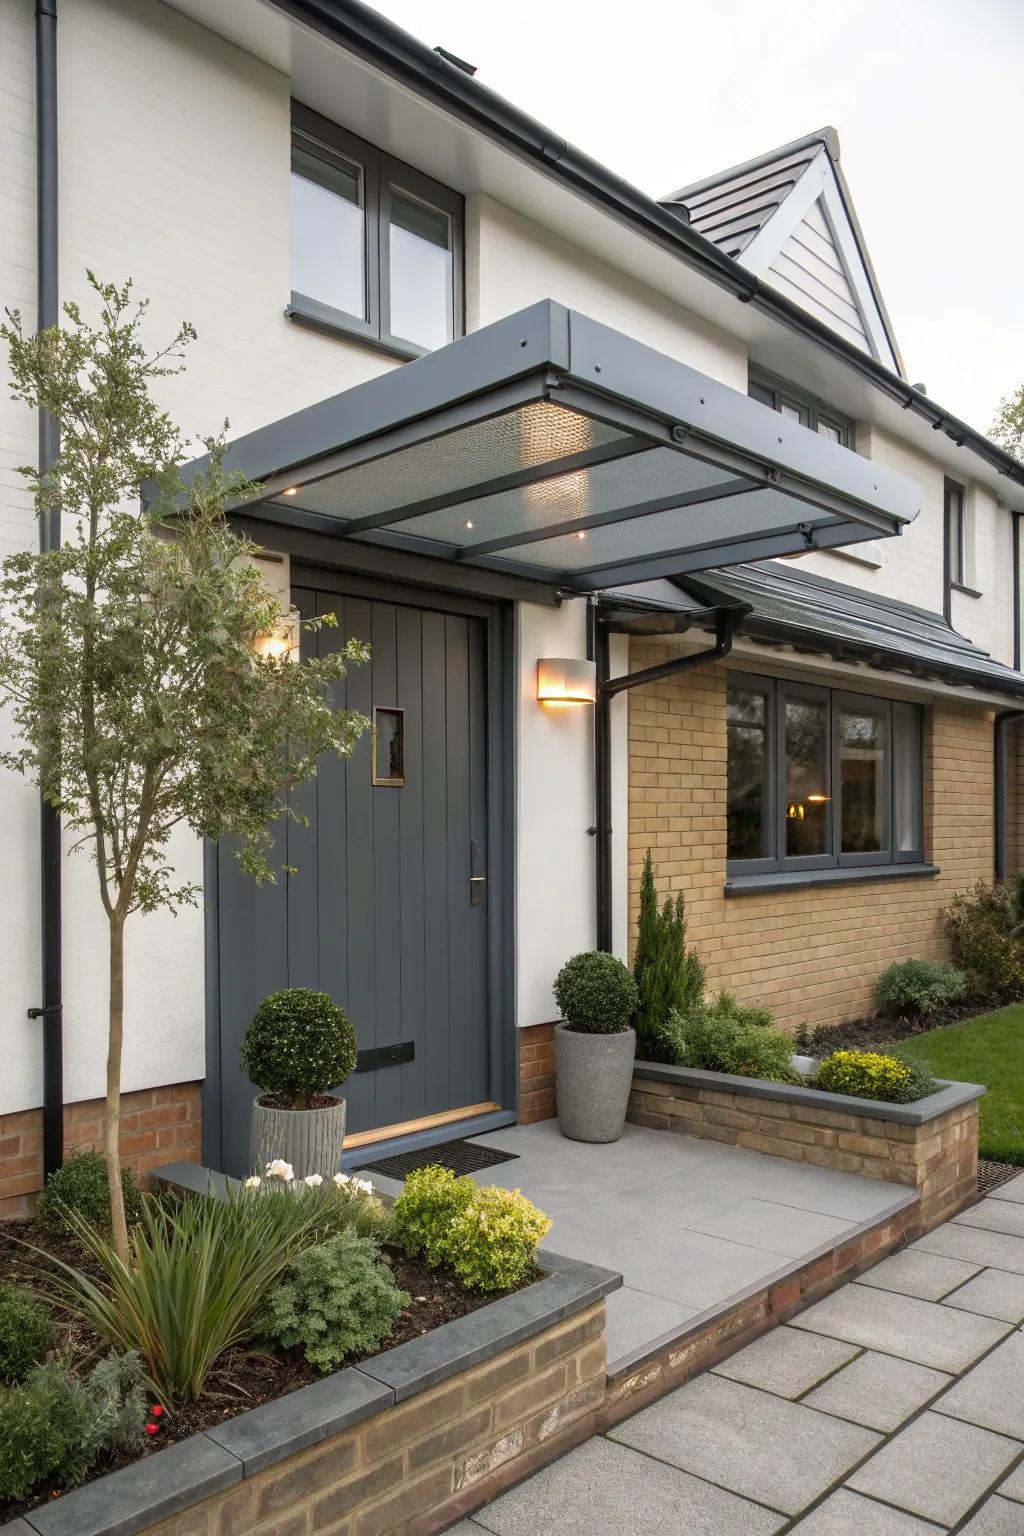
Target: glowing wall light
(563,680)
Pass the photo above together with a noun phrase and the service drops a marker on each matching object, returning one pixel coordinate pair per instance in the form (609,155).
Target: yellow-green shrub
(865,1075)
(489,1237)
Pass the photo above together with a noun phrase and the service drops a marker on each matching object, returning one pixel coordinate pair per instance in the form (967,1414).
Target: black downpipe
(50,868)
(607,689)
(1016,590)
(1002,724)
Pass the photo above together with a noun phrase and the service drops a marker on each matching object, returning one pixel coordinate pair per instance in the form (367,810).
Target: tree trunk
(112,1125)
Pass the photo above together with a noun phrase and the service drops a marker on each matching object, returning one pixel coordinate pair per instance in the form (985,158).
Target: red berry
(151,1429)
(156,1411)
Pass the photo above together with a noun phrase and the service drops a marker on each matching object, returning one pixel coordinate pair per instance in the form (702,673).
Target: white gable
(809,250)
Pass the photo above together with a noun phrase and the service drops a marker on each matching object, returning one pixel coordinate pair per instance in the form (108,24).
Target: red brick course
(536,1073)
(158,1125)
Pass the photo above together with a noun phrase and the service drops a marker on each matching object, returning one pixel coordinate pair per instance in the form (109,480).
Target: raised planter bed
(930,1146)
(409,1440)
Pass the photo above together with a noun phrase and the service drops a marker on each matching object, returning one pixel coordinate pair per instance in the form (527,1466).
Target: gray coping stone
(996,1517)
(994,1216)
(925,1275)
(786,1362)
(992,1394)
(845,1513)
(761,1447)
(1013,1189)
(301,1418)
(995,1249)
(950,1096)
(937,1467)
(917,1330)
(466,1341)
(17,1527)
(148,1491)
(605,1488)
(878,1391)
(992,1293)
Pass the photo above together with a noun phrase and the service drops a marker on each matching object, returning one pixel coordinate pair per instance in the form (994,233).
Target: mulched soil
(243,1379)
(872,1032)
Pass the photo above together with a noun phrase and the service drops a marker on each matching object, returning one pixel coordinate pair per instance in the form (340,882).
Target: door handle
(474,895)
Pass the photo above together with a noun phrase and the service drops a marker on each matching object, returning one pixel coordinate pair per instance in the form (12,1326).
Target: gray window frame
(316,134)
(775,392)
(954,506)
(776,691)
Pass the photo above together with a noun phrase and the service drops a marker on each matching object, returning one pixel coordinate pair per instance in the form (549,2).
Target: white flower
(363,1186)
(253,1182)
(340,1180)
(313,1180)
(279,1169)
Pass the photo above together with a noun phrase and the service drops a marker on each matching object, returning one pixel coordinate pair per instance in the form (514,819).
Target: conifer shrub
(669,975)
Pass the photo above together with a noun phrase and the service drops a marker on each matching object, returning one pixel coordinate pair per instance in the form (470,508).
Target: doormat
(459,1156)
(992,1175)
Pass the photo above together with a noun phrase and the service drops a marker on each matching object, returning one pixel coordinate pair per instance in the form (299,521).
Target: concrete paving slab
(878,1391)
(760,1447)
(975,1245)
(923,1331)
(1013,1189)
(937,1467)
(696,1270)
(925,1275)
(992,1293)
(1013,1488)
(845,1513)
(994,1216)
(784,1229)
(826,1190)
(635,1319)
(991,1394)
(602,1487)
(996,1517)
(786,1362)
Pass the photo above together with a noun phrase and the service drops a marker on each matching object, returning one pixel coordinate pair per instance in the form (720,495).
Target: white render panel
(512,262)
(21,1077)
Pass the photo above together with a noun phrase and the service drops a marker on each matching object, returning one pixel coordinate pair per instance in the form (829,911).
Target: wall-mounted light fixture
(563,680)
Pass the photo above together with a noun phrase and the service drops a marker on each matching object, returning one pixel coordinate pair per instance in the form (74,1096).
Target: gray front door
(386,911)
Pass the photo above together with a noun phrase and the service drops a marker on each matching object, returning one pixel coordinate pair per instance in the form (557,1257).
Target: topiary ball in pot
(299,1046)
(594,1046)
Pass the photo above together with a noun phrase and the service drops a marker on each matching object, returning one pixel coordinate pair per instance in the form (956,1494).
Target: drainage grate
(992,1175)
(459,1156)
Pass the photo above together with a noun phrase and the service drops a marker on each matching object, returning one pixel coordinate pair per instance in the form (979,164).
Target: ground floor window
(818,778)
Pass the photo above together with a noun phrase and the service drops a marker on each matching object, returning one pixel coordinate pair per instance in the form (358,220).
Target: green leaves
(669,976)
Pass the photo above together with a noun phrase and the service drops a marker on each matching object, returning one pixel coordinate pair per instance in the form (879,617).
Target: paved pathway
(894,1407)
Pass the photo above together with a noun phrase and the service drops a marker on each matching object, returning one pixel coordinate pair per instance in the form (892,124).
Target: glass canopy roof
(549,446)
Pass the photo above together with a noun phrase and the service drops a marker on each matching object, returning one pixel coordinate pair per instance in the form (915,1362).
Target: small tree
(1008,428)
(669,976)
(130,655)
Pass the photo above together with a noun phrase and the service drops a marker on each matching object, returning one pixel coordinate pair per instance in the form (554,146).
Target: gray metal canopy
(549,446)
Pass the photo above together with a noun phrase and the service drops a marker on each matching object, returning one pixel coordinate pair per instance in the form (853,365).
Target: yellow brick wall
(812,954)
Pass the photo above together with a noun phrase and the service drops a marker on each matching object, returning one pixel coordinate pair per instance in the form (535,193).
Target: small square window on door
(389,747)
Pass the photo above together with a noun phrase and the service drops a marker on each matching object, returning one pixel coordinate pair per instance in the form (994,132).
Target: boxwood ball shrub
(299,1045)
(870,1075)
(335,1300)
(489,1237)
(595,993)
(81,1186)
(919,988)
(26,1332)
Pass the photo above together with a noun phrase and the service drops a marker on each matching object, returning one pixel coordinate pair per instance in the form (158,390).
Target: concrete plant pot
(593,1076)
(310,1139)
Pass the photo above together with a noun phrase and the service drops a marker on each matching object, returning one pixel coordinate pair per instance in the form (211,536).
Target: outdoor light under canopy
(550,447)
(563,680)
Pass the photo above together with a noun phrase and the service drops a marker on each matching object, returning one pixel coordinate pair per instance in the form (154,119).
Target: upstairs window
(796,405)
(376,247)
(820,779)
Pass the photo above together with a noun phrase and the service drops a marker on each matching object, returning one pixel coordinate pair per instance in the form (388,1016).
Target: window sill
(760,885)
(956,586)
(334,322)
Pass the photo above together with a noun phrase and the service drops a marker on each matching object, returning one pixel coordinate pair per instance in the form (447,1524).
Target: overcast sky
(925,94)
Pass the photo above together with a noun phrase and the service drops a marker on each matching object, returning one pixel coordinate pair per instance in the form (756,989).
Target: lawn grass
(988,1050)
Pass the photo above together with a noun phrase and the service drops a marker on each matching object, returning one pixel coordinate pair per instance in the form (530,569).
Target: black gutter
(607,689)
(50,866)
(1002,725)
(371,37)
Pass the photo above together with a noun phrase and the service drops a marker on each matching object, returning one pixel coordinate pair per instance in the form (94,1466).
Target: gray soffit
(549,446)
(788,606)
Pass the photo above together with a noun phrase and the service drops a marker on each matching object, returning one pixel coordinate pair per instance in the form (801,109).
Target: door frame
(499,631)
